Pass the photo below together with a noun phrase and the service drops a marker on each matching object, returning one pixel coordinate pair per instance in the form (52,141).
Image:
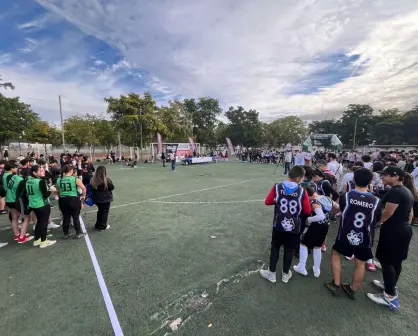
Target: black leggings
(102,214)
(391,273)
(287,258)
(70,207)
(42,217)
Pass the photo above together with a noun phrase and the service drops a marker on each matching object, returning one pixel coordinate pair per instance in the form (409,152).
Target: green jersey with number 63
(34,192)
(12,188)
(67,186)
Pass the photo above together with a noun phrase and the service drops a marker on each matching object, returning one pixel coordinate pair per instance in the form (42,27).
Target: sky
(309,58)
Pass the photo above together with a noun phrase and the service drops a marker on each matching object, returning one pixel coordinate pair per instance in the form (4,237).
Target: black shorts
(2,192)
(21,206)
(393,244)
(286,239)
(415,209)
(315,236)
(361,253)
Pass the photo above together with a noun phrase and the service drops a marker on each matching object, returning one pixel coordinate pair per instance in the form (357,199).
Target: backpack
(89,199)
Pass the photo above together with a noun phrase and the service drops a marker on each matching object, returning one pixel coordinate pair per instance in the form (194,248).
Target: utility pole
(140,114)
(355,133)
(62,124)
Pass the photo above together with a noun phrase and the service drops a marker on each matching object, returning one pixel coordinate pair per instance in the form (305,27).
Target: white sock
(303,256)
(370,261)
(317,256)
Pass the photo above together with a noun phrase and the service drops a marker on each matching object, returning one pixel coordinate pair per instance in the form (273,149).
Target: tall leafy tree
(244,127)
(388,127)
(15,117)
(326,127)
(285,130)
(364,116)
(44,133)
(79,131)
(136,118)
(410,126)
(177,121)
(204,113)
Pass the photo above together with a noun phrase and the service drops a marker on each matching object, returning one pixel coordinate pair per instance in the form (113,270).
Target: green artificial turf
(158,258)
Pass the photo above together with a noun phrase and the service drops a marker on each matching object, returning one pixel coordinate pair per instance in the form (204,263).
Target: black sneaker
(333,288)
(350,293)
(67,236)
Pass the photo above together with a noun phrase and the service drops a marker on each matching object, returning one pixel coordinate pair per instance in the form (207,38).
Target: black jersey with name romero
(358,219)
(320,186)
(288,209)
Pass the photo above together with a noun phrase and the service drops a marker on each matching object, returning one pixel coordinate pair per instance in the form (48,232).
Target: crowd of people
(28,185)
(377,192)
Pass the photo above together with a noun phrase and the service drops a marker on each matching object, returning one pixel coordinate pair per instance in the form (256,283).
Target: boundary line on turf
(105,293)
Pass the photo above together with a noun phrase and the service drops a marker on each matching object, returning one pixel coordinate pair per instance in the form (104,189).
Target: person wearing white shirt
(334,166)
(347,178)
(415,172)
(299,159)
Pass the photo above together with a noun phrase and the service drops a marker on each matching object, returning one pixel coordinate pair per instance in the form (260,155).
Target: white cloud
(38,23)
(252,52)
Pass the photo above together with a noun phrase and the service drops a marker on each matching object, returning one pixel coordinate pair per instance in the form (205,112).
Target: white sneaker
(316,273)
(52,225)
(270,276)
(47,243)
(377,264)
(3,244)
(379,284)
(37,242)
(286,277)
(297,269)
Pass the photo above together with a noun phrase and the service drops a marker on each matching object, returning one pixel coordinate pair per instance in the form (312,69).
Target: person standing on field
(102,196)
(38,194)
(69,202)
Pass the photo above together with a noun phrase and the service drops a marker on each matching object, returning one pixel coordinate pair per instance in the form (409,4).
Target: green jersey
(34,192)
(67,186)
(4,179)
(11,188)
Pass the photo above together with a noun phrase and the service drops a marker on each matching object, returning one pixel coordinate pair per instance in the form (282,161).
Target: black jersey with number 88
(288,209)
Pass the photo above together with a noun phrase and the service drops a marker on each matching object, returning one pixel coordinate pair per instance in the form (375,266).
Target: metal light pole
(140,115)
(355,133)
(62,124)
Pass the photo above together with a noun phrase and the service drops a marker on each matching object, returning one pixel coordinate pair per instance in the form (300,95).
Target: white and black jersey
(358,218)
(287,210)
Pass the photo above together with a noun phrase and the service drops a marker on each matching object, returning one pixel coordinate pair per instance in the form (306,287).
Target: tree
(388,127)
(364,116)
(178,124)
(204,114)
(244,127)
(326,127)
(6,85)
(44,133)
(106,133)
(15,117)
(410,126)
(78,131)
(137,117)
(286,130)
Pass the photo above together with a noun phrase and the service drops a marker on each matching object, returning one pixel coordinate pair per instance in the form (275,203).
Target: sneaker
(371,267)
(107,228)
(349,258)
(381,285)
(16,237)
(79,236)
(414,224)
(3,212)
(316,273)
(270,276)
(333,288)
(52,225)
(25,239)
(299,270)
(37,242)
(47,243)
(286,276)
(350,293)
(324,248)
(3,244)
(67,236)
(377,264)
(384,300)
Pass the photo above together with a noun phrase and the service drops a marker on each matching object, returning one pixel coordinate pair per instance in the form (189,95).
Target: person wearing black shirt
(395,236)
(87,170)
(163,158)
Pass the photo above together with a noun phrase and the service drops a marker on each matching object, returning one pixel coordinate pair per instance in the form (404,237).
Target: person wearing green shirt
(38,194)
(15,186)
(69,202)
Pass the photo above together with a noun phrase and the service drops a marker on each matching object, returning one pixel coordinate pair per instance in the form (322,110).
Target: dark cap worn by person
(393,171)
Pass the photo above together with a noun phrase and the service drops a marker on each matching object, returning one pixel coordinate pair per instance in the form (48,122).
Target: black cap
(393,171)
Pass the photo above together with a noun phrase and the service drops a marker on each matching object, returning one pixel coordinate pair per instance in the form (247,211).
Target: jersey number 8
(286,206)
(359,218)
